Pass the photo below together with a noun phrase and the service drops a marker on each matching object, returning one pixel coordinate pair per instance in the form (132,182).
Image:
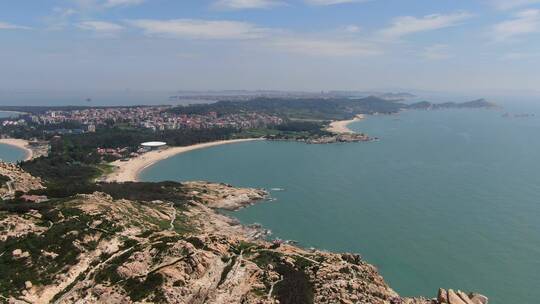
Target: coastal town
(40,127)
(156,118)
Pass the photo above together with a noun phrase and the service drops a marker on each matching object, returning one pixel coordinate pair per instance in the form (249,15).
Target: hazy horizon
(461,47)
(141,97)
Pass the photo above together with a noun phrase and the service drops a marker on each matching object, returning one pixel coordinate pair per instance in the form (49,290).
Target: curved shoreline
(342,126)
(14,112)
(129,171)
(21,144)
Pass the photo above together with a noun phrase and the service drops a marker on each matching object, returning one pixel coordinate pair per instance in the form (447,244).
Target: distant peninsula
(474,104)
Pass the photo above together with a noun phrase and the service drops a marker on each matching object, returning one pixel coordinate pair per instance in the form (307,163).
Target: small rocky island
(166,243)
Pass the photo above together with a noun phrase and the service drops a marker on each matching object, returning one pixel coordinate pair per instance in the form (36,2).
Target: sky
(310,45)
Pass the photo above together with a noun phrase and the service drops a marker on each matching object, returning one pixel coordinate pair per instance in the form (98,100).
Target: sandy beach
(129,171)
(342,126)
(21,144)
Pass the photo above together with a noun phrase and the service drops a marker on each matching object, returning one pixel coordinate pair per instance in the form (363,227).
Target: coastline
(21,144)
(129,171)
(342,126)
(14,112)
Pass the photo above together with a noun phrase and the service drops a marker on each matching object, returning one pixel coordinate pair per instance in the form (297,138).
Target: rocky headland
(473,104)
(171,245)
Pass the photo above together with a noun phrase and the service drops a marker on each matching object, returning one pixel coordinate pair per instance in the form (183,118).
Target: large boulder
(442,296)
(478,298)
(453,298)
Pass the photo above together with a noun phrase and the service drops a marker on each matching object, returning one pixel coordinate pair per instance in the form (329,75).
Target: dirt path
(173,217)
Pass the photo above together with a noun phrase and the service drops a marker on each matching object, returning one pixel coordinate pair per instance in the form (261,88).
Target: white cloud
(406,25)
(524,22)
(246,4)
(200,29)
(10,26)
(436,52)
(64,12)
(324,47)
(100,26)
(352,28)
(511,4)
(96,5)
(520,56)
(332,2)
(59,18)
(115,3)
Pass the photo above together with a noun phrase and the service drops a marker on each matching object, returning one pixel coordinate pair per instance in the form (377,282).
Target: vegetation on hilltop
(97,248)
(138,251)
(73,162)
(314,109)
(479,103)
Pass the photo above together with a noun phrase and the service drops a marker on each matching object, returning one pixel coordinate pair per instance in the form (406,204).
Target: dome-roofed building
(154,145)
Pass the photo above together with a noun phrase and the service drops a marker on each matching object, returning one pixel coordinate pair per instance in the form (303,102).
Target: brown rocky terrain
(16,179)
(100,248)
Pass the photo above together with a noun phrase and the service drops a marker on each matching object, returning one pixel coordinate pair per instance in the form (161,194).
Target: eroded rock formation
(16,179)
(95,249)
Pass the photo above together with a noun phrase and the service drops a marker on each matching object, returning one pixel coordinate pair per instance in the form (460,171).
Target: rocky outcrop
(458,297)
(16,180)
(17,226)
(96,249)
(223,196)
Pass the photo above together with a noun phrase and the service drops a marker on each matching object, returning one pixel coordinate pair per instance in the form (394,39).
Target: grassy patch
(295,288)
(109,273)
(140,290)
(38,268)
(226,270)
(3,180)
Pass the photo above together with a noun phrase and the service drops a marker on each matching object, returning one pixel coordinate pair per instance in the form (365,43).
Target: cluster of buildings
(126,153)
(16,122)
(113,152)
(154,118)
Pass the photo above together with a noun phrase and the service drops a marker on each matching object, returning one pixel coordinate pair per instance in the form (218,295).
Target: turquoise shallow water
(7,114)
(445,199)
(9,153)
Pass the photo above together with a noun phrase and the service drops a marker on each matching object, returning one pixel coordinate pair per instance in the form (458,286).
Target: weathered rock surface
(459,297)
(223,196)
(96,249)
(17,180)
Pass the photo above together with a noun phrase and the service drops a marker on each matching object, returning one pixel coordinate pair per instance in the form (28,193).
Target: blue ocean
(446,198)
